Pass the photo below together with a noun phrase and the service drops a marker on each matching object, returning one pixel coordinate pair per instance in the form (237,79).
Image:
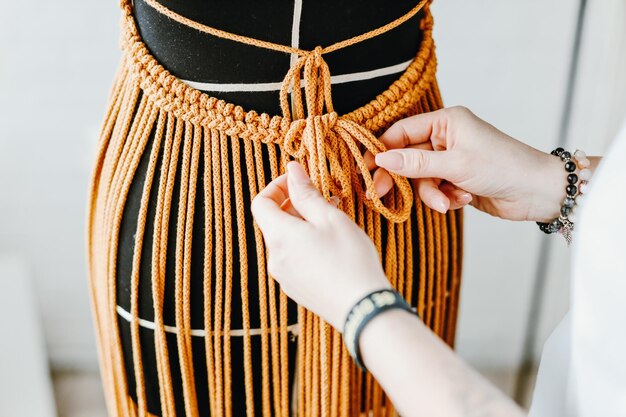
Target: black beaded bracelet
(363,312)
(564,224)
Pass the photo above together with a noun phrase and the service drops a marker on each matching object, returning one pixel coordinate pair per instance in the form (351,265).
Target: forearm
(423,376)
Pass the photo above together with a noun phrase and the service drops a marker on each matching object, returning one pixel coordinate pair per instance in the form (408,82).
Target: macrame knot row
(331,147)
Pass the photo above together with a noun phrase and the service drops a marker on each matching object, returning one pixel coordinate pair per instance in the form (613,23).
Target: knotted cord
(315,138)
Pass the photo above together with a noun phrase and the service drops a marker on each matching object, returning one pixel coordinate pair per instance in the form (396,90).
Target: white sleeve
(583,364)
(597,379)
(550,394)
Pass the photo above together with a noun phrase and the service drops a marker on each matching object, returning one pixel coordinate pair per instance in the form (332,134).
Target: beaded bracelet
(564,224)
(363,312)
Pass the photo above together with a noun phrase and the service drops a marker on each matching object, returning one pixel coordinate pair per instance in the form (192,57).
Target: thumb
(418,163)
(305,198)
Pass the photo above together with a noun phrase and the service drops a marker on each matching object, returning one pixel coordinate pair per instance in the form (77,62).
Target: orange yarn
(275,46)
(146,99)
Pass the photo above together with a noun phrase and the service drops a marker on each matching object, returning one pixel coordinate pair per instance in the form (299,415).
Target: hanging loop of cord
(319,139)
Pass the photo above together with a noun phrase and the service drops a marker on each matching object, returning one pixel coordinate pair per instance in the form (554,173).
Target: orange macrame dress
(181,128)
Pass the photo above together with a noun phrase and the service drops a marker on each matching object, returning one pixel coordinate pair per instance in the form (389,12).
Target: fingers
(458,197)
(266,209)
(442,196)
(429,192)
(289,208)
(418,163)
(277,190)
(418,129)
(383,182)
(415,131)
(305,198)
(287,200)
(369,160)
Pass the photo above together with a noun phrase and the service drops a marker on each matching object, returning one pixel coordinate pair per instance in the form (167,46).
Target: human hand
(320,257)
(455,158)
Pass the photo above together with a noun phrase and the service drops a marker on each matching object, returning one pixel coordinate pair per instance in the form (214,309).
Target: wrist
(548,185)
(389,325)
(548,193)
(577,166)
(367,285)
(382,322)
(366,311)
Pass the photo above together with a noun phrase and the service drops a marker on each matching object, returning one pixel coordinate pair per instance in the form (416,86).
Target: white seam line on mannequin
(295,37)
(275,86)
(293,329)
(295,29)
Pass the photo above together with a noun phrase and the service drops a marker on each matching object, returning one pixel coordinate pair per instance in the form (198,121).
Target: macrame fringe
(181,129)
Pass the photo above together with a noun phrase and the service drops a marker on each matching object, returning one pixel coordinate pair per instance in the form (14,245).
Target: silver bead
(572,217)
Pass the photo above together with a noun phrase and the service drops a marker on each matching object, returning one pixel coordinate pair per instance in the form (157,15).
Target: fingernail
(368,195)
(391,160)
(297,173)
(380,189)
(334,200)
(441,207)
(464,198)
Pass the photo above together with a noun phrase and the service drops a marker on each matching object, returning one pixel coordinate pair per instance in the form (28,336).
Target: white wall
(58,59)
(506,59)
(24,370)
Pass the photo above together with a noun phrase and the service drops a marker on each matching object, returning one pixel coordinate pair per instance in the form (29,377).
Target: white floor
(79,394)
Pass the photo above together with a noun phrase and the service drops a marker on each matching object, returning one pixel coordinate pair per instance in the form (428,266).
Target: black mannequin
(198,57)
(192,55)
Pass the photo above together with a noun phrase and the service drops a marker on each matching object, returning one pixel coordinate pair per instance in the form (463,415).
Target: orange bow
(330,147)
